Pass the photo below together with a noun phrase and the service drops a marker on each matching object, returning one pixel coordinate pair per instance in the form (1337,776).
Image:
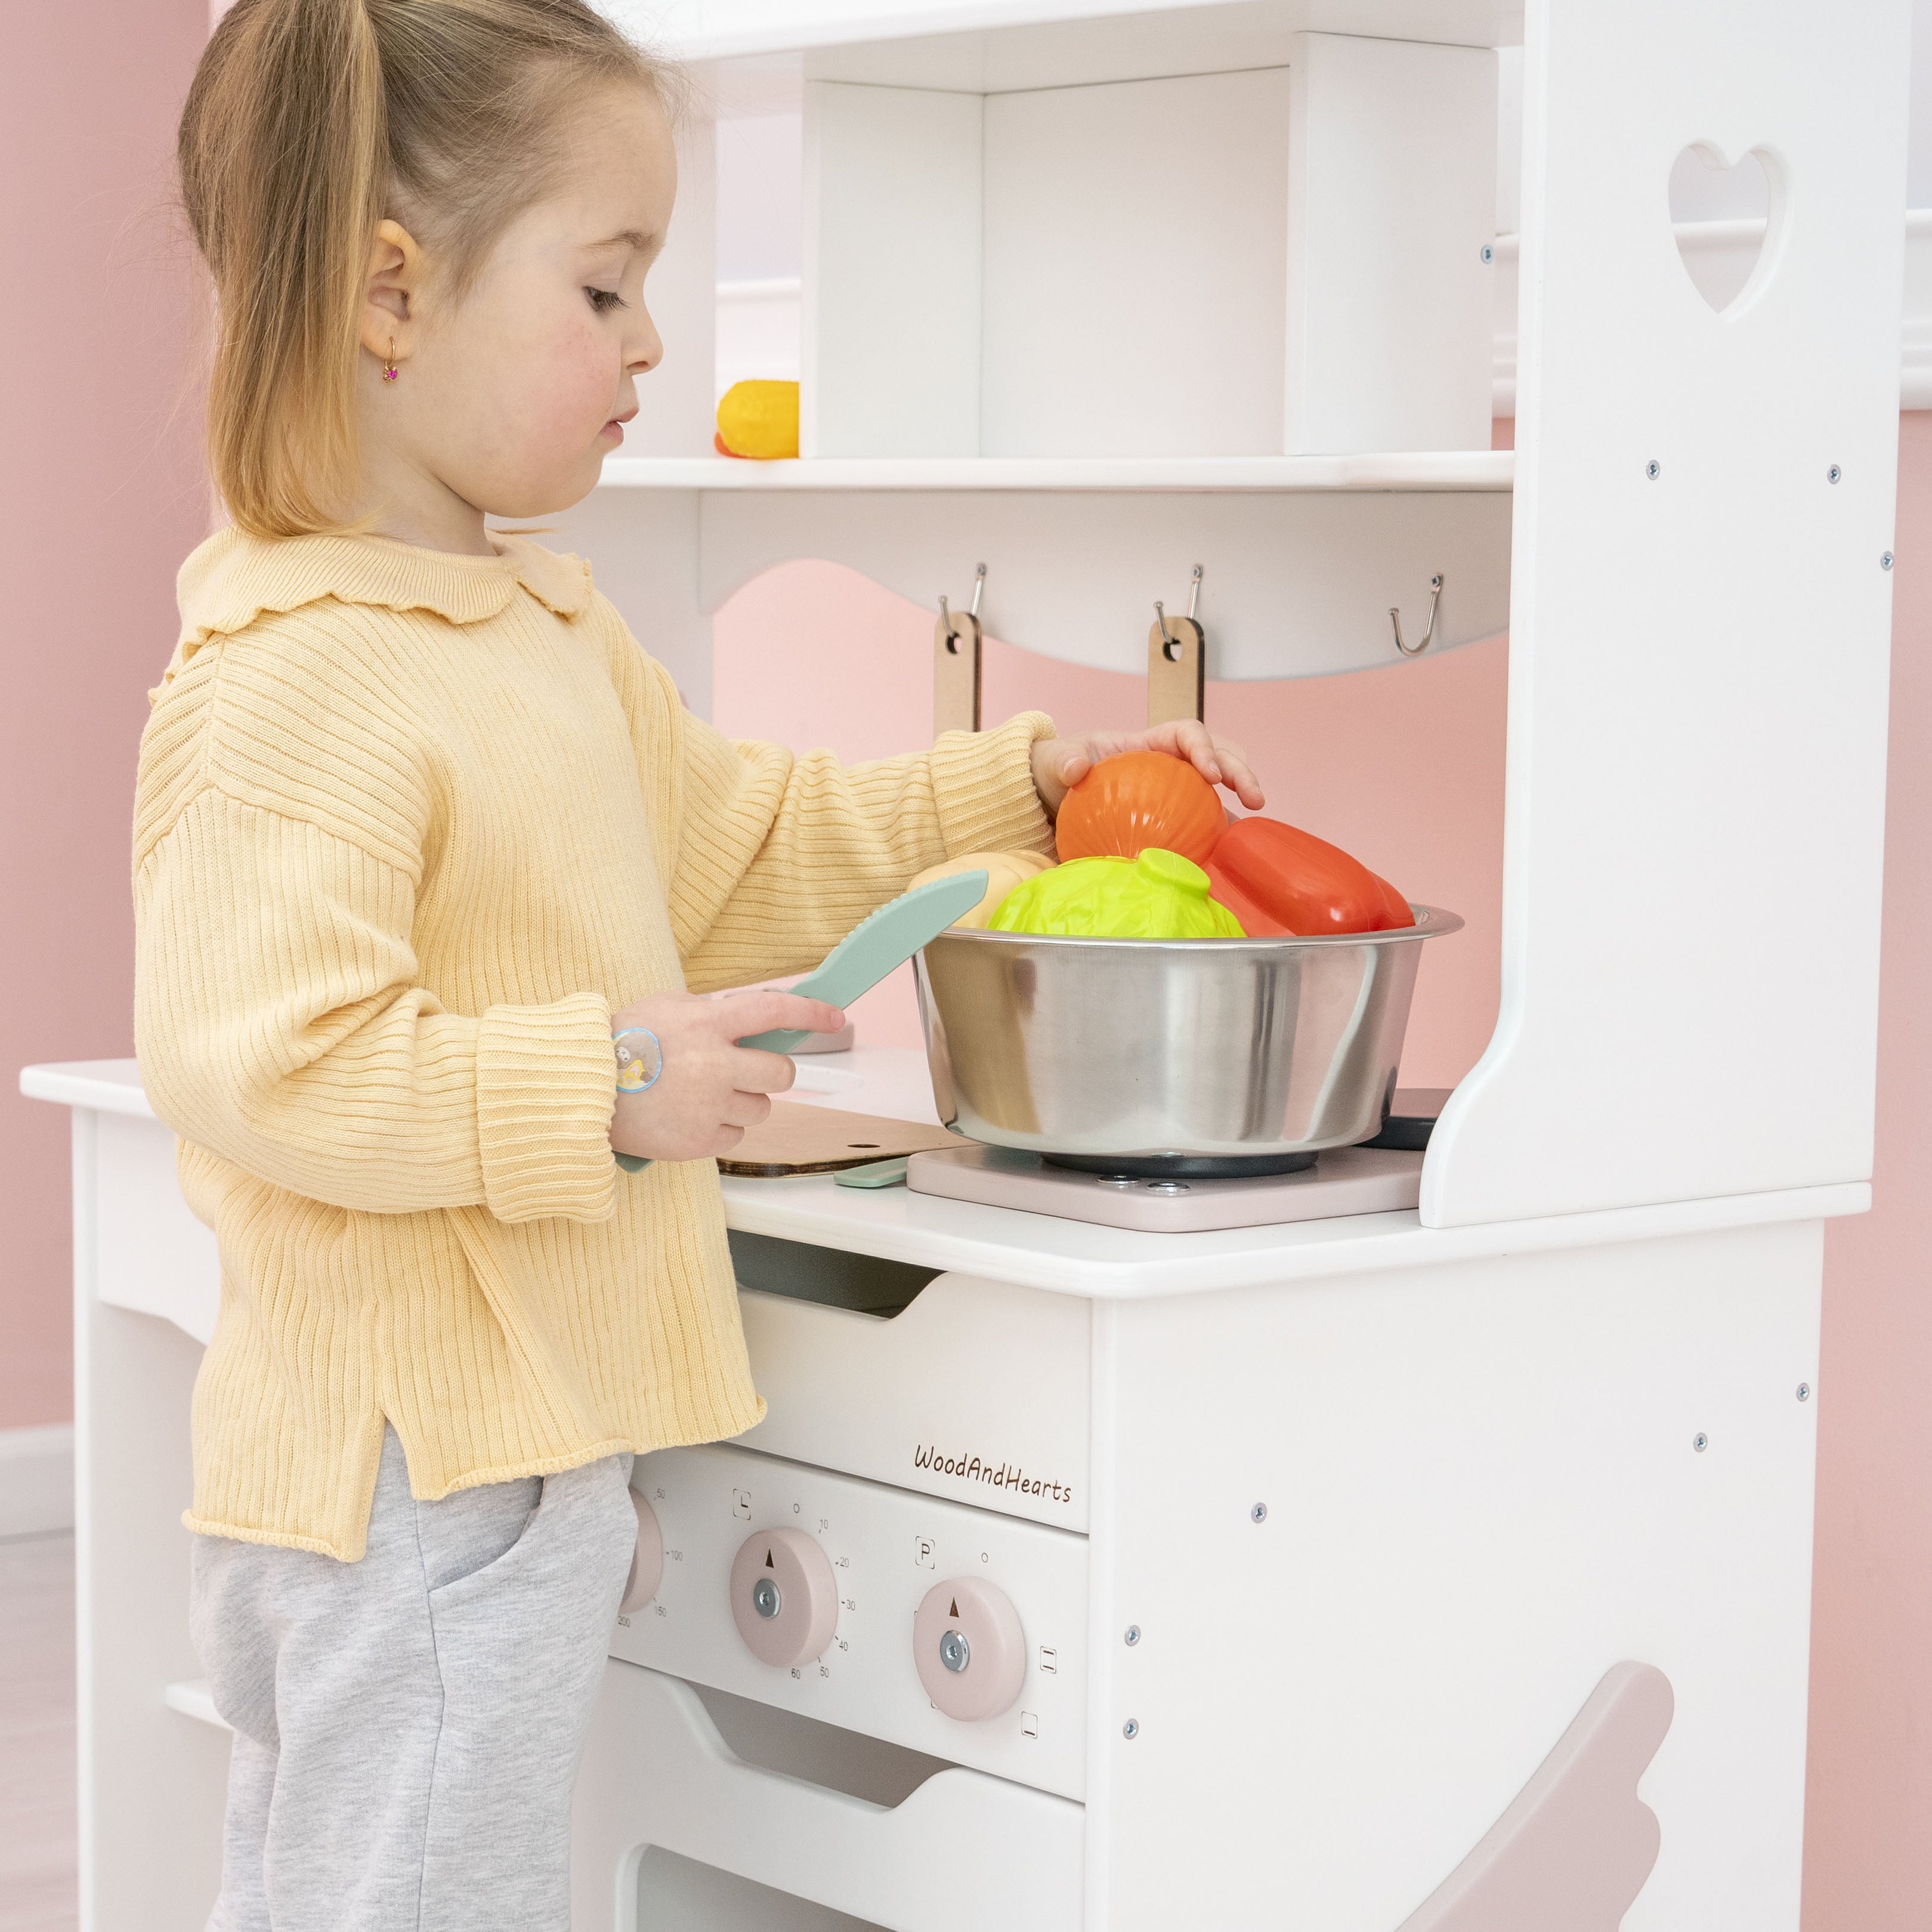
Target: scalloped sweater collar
(233,578)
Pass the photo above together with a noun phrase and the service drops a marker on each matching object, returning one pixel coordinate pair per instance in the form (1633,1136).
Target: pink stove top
(1345,1181)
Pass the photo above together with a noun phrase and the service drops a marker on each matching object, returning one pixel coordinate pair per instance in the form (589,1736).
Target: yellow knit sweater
(409,826)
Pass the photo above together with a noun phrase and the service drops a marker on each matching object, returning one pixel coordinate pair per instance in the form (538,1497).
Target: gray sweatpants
(407,1728)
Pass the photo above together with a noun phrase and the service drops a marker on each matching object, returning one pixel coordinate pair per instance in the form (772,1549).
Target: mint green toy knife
(876,946)
(871,950)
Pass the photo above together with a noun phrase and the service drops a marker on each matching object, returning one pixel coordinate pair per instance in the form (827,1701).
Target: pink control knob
(969,1647)
(784,1599)
(646,1559)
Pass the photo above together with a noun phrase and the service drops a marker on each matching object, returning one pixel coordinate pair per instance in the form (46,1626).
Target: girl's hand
(1059,764)
(711,1089)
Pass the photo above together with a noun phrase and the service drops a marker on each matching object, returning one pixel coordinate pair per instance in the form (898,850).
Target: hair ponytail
(310,120)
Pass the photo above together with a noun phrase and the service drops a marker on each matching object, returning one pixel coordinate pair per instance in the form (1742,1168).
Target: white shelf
(193,1698)
(1304,556)
(107,1086)
(1418,471)
(757,52)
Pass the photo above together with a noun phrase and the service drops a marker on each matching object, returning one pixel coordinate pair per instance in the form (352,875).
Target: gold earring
(389,367)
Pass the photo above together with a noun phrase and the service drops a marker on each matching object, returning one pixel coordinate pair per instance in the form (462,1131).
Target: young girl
(419,828)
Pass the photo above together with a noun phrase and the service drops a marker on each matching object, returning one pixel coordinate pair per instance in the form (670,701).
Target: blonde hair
(309,122)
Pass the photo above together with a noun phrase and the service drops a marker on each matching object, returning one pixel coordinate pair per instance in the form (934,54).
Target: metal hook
(1429,635)
(1169,643)
(972,609)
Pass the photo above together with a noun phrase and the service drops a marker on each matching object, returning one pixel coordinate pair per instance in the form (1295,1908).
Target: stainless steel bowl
(1174,1057)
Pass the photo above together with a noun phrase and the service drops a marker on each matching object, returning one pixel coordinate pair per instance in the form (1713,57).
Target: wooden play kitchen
(1430,1567)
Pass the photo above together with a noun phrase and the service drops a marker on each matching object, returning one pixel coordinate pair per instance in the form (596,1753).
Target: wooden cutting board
(821,1140)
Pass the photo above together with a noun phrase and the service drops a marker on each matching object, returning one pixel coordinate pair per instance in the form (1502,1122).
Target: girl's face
(506,401)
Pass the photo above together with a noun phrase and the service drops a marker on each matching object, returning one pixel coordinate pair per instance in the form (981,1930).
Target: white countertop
(1074,1257)
(894,1079)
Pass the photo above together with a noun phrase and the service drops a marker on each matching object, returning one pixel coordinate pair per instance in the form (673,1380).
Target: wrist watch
(640,1059)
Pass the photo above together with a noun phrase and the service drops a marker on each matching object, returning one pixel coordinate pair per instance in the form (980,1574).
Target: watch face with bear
(640,1059)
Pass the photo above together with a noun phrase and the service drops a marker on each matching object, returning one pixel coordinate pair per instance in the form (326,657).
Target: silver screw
(1700,1442)
(1653,470)
(955,1652)
(766,1599)
(1259,1513)
(1832,475)
(1131,1729)
(1489,252)
(1885,561)
(1803,1391)
(1133,1635)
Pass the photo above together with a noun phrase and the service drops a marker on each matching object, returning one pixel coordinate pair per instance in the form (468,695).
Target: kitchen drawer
(976,1390)
(962,1852)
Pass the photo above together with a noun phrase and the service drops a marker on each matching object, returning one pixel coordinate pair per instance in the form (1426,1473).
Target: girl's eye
(604,300)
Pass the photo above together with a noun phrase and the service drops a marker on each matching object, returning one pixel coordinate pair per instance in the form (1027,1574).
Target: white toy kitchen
(1433,1554)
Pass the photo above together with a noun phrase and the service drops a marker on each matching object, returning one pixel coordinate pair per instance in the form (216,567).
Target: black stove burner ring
(1183,1166)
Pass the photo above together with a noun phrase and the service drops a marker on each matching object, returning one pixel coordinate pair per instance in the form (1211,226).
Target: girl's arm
(771,858)
(280,1016)
(280,1025)
(781,855)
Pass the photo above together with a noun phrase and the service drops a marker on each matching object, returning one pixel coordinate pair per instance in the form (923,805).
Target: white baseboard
(36,1480)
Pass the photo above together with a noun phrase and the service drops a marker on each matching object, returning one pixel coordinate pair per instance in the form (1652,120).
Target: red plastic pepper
(1281,882)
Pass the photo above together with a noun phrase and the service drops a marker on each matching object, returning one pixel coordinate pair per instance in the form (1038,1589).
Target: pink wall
(1868,1835)
(100,497)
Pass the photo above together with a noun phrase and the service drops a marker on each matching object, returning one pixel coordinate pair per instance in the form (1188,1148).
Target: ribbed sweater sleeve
(279,1025)
(280,1019)
(776,856)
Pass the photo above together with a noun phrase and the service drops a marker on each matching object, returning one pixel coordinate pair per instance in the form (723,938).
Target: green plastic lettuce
(1158,896)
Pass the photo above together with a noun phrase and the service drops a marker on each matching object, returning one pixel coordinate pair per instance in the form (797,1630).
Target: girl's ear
(389,307)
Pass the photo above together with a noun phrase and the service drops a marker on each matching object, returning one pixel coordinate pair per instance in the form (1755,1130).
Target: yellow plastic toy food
(759,419)
(1158,896)
(1003,870)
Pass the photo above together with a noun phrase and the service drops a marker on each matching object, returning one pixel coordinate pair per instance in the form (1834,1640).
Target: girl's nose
(645,350)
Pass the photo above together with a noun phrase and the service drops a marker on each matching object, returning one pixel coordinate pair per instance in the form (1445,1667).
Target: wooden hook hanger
(955,665)
(1177,681)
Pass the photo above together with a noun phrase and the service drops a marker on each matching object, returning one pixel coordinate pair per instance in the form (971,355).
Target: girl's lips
(614,428)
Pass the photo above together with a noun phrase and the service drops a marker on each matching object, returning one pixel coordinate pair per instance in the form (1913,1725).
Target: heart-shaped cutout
(1723,215)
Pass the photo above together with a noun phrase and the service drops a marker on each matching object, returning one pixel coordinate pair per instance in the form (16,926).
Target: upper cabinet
(1094,296)
(1203,231)
(1284,260)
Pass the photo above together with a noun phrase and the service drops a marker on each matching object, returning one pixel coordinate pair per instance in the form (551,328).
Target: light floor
(37,1861)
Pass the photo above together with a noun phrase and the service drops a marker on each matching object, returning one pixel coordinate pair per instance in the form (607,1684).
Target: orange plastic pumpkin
(1281,882)
(1136,799)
